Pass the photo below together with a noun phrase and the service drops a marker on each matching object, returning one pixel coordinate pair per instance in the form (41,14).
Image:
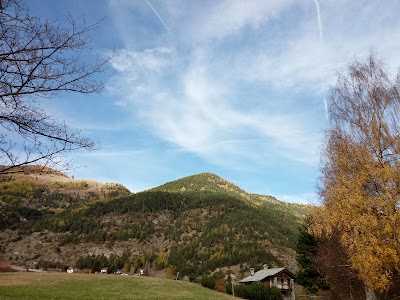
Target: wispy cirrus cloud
(223,19)
(200,111)
(241,83)
(197,116)
(153,59)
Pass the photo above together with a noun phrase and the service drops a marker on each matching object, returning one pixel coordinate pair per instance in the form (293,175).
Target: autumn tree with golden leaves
(360,182)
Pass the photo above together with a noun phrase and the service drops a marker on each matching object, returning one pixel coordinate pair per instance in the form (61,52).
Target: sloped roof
(264,273)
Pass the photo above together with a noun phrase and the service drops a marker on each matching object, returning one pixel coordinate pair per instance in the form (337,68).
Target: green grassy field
(22,285)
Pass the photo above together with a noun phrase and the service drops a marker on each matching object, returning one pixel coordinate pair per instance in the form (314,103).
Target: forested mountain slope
(192,225)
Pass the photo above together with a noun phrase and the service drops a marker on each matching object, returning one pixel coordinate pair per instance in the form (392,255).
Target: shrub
(4,265)
(218,275)
(46,264)
(258,291)
(228,286)
(220,286)
(207,282)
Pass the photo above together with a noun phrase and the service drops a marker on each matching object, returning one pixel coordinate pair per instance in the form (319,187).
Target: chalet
(279,277)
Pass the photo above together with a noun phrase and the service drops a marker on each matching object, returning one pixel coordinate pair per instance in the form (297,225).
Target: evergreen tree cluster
(307,251)
(127,262)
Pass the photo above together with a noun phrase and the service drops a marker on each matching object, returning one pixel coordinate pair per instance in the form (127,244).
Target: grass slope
(48,189)
(64,286)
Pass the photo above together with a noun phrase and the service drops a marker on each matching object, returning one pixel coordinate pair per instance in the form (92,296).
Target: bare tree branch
(39,59)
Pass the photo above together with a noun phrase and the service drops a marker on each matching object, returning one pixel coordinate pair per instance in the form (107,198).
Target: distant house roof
(264,273)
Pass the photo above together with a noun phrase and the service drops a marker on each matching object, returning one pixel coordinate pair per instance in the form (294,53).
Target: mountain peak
(202,182)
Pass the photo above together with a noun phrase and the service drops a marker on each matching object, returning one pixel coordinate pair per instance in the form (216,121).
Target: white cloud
(244,83)
(297,59)
(308,198)
(135,61)
(133,168)
(228,18)
(199,117)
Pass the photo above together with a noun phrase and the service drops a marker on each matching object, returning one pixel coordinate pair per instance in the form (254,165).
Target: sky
(233,87)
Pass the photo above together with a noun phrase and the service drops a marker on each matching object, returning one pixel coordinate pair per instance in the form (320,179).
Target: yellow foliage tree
(360,182)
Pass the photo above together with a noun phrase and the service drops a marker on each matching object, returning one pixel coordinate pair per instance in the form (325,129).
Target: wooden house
(281,278)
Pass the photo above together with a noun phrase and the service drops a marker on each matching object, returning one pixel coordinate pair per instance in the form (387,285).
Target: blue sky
(235,88)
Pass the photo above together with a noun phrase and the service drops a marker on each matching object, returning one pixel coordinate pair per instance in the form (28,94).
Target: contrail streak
(321,39)
(162,21)
(326,107)
(321,35)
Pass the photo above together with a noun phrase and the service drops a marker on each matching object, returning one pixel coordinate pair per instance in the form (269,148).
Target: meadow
(63,286)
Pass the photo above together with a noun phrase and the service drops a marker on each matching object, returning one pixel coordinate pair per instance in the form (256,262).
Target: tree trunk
(369,293)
